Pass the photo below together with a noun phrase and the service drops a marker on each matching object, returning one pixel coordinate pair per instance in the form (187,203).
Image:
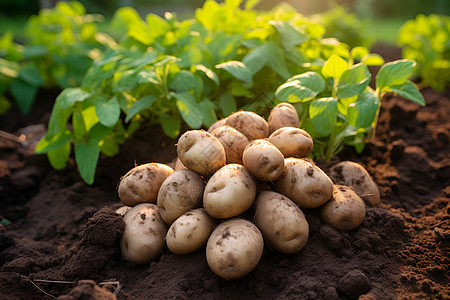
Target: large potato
(304,183)
(190,232)
(216,124)
(143,237)
(232,141)
(252,125)
(141,184)
(281,222)
(180,192)
(229,192)
(201,152)
(345,211)
(234,248)
(263,160)
(355,176)
(292,142)
(283,115)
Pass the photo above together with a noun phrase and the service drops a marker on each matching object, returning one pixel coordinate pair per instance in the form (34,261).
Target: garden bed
(65,231)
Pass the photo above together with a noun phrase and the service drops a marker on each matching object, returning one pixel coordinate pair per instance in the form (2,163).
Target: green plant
(427,41)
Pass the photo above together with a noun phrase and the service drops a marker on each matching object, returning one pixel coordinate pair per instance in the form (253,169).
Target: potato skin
(345,210)
(356,176)
(216,124)
(190,231)
(143,238)
(229,192)
(234,248)
(252,125)
(292,142)
(283,115)
(179,165)
(201,152)
(141,184)
(263,160)
(180,192)
(304,183)
(232,141)
(281,222)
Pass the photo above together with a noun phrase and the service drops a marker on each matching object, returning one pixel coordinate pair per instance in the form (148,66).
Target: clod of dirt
(88,290)
(354,284)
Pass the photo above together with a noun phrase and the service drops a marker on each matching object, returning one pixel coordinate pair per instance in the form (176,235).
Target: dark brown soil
(63,235)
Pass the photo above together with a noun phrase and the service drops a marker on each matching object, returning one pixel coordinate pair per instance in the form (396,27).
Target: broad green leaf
(59,157)
(54,141)
(323,114)
(158,26)
(250,4)
(276,59)
(373,59)
(86,157)
(171,124)
(140,105)
(359,52)
(32,51)
(240,89)
(8,68)
(208,112)
(147,76)
(208,72)
(290,35)
(24,94)
(227,104)
(362,112)
(98,132)
(189,109)
(70,96)
(256,59)
(334,67)
(89,115)
(237,69)
(353,81)
(394,73)
(137,29)
(125,81)
(304,87)
(78,127)
(183,81)
(409,91)
(108,110)
(109,146)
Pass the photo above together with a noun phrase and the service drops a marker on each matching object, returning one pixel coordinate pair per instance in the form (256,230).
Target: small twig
(11,137)
(31,281)
(53,281)
(116,283)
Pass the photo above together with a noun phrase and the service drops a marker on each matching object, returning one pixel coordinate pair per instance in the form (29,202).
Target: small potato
(283,115)
(190,232)
(229,192)
(252,125)
(141,184)
(292,142)
(304,183)
(216,124)
(143,237)
(355,176)
(180,192)
(281,222)
(234,248)
(201,152)
(122,210)
(263,160)
(345,211)
(233,142)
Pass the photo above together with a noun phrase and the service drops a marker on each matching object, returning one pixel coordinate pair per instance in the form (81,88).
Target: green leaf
(290,35)
(24,94)
(208,112)
(70,96)
(54,141)
(362,112)
(125,81)
(137,29)
(32,51)
(276,59)
(373,59)
(227,104)
(237,69)
(30,74)
(59,156)
(98,132)
(334,67)
(394,73)
(158,26)
(147,76)
(140,105)
(108,110)
(304,87)
(409,91)
(189,109)
(171,125)
(256,59)
(86,157)
(353,81)
(208,72)
(323,114)
(183,81)
(359,52)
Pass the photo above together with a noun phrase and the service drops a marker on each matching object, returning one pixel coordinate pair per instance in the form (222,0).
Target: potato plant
(232,208)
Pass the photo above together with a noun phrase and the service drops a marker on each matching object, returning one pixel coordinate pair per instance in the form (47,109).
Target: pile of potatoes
(244,182)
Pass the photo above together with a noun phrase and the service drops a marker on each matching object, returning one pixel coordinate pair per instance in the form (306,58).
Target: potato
(234,248)
(249,124)
(355,176)
(201,152)
(263,160)
(180,192)
(292,142)
(229,192)
(216,124)
(232,141)
(345,211)
(179,165)
(122,210)
(143,237)
(190,232)
(141,184)
(304,183)
(283,115)
(281,222)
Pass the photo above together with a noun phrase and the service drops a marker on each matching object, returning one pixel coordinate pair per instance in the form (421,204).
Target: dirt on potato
(58,229)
